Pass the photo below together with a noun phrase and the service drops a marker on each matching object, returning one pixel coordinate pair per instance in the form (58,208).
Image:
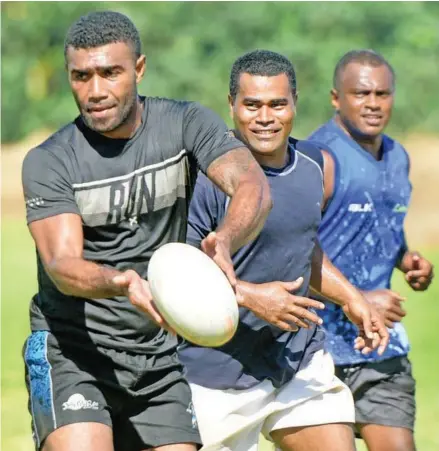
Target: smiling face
(364,100)
(104,84)
(263,113)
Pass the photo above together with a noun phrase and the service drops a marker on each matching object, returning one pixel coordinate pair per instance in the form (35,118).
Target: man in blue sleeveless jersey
(367,195)
(274,377)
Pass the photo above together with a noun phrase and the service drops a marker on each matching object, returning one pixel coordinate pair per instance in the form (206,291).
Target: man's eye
(111,73)
(80,76)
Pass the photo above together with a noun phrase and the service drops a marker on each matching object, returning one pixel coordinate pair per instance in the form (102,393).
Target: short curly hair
(264,63)
(366,57)
(101,28)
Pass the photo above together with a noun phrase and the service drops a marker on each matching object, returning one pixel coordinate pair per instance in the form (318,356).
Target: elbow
(55,277)
(63,289)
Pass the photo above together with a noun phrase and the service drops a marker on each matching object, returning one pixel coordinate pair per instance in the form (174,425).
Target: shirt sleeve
(47,188)
(205,210)
(206,135)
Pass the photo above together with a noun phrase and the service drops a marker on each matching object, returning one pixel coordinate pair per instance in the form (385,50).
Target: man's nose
(372,101)
(265,116)
(97,90)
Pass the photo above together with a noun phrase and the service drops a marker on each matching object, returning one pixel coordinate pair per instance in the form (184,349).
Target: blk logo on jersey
(360,208)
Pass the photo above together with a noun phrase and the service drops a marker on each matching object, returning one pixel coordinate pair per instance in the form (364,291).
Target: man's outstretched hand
(137,291)
(373,333)
(218,250)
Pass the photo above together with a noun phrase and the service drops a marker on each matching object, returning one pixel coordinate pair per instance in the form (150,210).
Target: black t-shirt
(133,197)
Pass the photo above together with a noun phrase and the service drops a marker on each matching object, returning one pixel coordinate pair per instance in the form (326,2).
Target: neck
(276,160)
(131,124)
(371,144)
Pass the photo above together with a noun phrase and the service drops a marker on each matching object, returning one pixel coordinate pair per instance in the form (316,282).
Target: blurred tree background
(191,46)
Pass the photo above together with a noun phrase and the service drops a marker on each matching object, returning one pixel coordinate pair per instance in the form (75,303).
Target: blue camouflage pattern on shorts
(39,372)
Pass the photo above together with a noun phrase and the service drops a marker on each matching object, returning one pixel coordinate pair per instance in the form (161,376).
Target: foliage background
(191,46)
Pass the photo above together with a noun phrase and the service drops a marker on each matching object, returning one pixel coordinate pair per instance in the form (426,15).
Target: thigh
(163,420)
(62,394)
(325,437)
(176,447)
(387,438)
(83,436)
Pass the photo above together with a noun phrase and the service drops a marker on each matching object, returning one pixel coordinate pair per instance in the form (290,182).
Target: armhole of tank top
(336,178)
(313,152)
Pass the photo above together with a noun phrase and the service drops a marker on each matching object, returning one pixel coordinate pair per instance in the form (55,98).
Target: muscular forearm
(329,282)
(82,278)
(246,214)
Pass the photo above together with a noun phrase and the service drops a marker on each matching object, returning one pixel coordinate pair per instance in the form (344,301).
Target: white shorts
(234,419)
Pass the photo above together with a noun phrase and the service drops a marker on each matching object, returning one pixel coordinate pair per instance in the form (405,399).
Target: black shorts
(384,392)
(144,399)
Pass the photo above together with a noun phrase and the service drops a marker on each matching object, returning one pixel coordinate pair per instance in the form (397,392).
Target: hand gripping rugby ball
(193,295)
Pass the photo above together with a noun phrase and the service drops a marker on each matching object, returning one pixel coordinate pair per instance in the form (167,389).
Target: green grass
(19,284)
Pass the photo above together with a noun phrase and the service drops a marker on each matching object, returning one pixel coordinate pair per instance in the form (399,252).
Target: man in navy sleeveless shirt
(362,233)
(274,377)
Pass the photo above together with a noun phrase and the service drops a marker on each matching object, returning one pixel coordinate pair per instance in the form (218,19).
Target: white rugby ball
(193,295)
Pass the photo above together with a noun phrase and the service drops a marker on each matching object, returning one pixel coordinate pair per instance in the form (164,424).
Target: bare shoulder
(327,158)
(328,176)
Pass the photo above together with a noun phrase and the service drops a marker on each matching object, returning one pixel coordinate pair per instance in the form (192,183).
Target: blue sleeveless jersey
(282,251)
(362,230)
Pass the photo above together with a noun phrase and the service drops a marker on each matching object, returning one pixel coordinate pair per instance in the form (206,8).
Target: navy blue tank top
(281,252)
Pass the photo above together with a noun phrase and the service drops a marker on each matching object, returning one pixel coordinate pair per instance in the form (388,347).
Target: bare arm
(329,177)
(329,282)
(59,241)
(239,175)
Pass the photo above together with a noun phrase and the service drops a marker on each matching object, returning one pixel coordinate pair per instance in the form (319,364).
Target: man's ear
(231,102)
(295,99)
(140,68)
(335,99)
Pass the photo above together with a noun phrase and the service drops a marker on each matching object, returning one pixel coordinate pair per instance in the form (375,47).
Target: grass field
(19,284)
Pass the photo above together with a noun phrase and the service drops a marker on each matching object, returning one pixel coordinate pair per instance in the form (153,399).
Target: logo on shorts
(78,402)
(190,409)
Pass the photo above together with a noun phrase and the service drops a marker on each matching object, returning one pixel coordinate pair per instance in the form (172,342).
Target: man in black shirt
(102,194)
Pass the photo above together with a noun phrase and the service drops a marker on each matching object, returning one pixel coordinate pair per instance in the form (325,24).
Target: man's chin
(100,126)
(368,133)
